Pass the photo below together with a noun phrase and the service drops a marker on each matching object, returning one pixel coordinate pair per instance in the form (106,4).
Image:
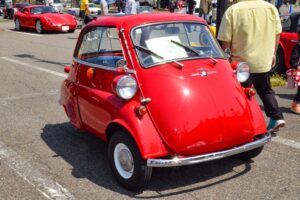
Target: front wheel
(251,154)
(17,25)
(39,26)
(127,164)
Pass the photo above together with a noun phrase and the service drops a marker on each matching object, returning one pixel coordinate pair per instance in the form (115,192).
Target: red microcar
(160,91)
(44,18)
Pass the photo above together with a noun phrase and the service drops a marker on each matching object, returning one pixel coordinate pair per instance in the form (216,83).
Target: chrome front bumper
(177,161)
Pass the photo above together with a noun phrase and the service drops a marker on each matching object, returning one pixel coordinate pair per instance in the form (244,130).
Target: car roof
(130,21)
(34,6)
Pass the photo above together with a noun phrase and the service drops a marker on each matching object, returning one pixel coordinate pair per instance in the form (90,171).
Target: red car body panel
(287,42)
(186,116)
(50,21)
(289,38)
(177,93)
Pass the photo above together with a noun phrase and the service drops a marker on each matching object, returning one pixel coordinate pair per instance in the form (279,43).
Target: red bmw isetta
(160,91)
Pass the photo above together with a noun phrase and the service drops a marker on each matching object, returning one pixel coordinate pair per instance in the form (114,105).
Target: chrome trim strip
(130,71)
(176,161)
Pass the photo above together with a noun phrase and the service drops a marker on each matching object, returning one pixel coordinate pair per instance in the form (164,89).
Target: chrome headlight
(242,72)
(126,87)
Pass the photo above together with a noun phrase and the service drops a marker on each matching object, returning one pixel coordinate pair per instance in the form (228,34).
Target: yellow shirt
(251,26)
(83,5)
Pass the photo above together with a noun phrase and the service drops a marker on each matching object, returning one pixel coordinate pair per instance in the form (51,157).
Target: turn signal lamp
(141,110)
(67,69)
(90,73)
(249,92)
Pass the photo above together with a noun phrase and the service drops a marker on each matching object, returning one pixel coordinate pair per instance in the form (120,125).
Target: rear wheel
(126,162)
(251,154)
(39,26)
(17,25)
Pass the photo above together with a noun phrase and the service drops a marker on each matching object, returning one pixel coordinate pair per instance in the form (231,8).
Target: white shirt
(130,7)
(8,3)
(104,7)
(50,2)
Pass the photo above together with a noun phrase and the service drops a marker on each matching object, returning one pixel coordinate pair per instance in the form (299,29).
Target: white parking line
(4,100)
(24,33)
(287,142)
(35,67)
(47,187)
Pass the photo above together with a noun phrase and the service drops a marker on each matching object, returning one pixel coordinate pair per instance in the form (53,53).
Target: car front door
(289,37)
(96,59)
(24,17)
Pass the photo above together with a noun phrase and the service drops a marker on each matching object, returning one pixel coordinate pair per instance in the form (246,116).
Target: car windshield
(169,42)
(92,6)
(42,9)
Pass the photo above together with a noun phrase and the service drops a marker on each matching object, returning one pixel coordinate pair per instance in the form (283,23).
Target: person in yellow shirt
(251,29)
(84,9)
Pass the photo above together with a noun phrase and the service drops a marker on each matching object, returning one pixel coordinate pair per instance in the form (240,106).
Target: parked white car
(93,9)
(58,5)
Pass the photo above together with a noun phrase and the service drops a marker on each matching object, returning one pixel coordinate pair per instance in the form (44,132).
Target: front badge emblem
(204,72)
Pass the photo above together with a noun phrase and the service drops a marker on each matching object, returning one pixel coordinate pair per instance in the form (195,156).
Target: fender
(68,98)
(143,132)
(257,117)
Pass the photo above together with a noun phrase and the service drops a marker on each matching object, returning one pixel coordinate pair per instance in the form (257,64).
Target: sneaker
(275,125)
(295,108)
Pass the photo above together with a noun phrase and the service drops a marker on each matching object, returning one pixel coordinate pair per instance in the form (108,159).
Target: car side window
(101,46)
(36,10)
(24,9)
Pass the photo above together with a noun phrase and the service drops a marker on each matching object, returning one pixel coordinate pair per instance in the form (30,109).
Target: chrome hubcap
(17,24)
(38,27)
(123,161)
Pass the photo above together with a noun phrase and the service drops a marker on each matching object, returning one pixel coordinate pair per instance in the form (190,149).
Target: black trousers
(297,96)
(262,85)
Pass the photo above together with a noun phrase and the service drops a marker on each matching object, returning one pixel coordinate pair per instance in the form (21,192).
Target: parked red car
(288,39)
(160,91)
(44,18)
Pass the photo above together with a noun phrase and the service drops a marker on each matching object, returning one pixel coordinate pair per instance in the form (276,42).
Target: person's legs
(10,13)
(297,96)
(261,82)
(296,103)
(262,85)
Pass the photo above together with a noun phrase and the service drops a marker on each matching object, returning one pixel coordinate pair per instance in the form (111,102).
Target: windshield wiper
(148,51)
(157,56)
(194,51)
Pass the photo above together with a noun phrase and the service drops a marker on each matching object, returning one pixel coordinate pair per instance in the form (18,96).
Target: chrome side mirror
(121,65)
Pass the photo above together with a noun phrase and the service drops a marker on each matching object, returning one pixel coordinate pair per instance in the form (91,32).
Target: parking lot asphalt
(43,157)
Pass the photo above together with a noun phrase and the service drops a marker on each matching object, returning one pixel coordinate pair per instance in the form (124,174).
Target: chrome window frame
(169,61)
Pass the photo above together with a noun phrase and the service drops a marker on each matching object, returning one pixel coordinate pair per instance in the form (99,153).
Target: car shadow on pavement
(32,31)
(40,60)
(87,155)
(286,96)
